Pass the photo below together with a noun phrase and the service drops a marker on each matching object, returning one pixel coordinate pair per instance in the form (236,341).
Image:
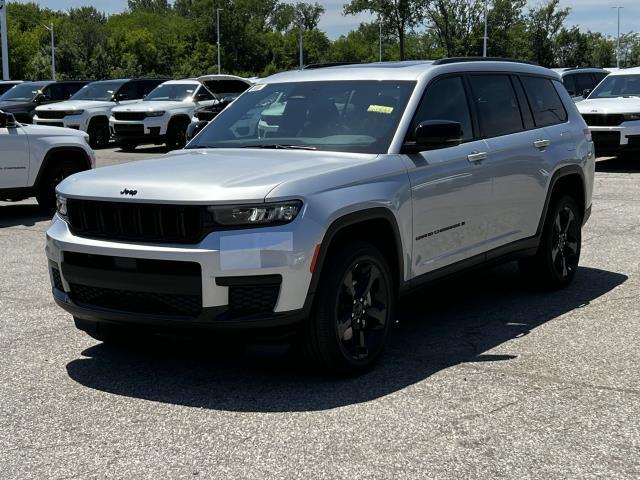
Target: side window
(583,82)
(570,84)
(55,91)
(445,100)
(128,91)
(497,105)
(600,77)
(544,100)
(72,88)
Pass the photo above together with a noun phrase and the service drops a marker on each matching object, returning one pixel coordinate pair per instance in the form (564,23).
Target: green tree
(457,24)
(544,22)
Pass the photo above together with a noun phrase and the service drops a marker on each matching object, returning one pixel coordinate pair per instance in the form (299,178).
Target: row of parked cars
(131,111)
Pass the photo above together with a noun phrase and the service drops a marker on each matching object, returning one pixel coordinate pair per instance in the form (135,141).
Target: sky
(595,15)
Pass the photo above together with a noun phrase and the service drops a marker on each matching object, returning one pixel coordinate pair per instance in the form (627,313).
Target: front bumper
(615,139)
(273,252)
(77,122)
(149,130)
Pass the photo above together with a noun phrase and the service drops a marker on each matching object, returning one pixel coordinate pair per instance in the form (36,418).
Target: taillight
(587,134)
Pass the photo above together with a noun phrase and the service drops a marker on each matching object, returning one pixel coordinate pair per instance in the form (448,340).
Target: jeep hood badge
(126,191)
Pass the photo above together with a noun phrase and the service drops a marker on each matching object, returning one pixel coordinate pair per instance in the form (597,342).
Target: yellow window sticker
(380,109)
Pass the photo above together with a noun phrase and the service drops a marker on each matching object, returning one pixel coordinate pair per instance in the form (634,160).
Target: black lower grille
(137,221)
(250,299)
(131,130)
(603,120)
(137,302)
(51,114)
(52,124)
(129,115)
(606,139)
(57,280)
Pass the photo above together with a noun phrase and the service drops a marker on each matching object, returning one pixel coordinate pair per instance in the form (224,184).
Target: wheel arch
(78,155)
(376,225)
(568,180)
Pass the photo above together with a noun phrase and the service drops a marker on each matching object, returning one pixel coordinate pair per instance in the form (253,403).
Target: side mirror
(194,128)
(7,120)
(120,96)
(586,92)
(434,134)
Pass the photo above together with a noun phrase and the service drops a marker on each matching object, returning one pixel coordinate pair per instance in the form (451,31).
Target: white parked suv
(90,107)
(370,182)
(612,111)
(162,117)
(34,159)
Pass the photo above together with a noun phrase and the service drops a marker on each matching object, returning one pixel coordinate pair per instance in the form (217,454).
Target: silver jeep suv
(319,197)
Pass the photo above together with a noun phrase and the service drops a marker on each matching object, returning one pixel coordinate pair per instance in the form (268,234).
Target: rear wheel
(98,132)
(54,174)
(348,328)
(556,261)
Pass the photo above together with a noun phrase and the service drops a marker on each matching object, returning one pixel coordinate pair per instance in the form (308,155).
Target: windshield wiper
(281,146)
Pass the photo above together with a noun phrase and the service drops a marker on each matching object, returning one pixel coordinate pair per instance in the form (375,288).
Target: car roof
(626,71)
(565,70)
(412,70)
(209,78)
(184,81)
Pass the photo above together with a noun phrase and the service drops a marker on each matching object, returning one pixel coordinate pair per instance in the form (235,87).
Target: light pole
(618,45)
(380,24)
(5,47)
(484,39)
(218,32)
(53,52)
(300,47)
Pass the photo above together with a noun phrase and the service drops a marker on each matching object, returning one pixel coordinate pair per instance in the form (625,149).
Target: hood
(12,106)
(46,131)
(609,105)
(152,106)
(74,105)
(207,176)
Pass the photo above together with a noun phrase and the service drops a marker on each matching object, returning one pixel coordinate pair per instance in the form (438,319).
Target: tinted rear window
(546,106)
(497,105)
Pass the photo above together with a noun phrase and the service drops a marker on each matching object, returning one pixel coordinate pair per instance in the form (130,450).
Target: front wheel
(556,261)
(353,310)
(57,172)
(98,133)
(177,134)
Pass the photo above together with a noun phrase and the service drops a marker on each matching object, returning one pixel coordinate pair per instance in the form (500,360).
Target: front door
(451,187)
(14,157)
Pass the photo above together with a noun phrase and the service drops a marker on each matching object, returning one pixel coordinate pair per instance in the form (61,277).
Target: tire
(353,309)
(98,133)
(558,255)
(107,332)
(177,134)
(55,173)
(127,146)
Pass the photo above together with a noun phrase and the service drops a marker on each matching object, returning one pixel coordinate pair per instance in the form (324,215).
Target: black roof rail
(313,66)
(581,68)
(447,61)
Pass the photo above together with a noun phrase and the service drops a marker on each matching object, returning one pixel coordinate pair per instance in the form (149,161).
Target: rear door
(14,157)
(450,187)
(517,156)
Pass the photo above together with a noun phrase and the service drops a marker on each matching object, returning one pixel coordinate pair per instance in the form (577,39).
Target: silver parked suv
(319,197)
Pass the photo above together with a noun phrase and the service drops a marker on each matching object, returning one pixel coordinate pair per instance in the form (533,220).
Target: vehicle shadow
(145,149)
(619,165)
(443,325)
(12,215)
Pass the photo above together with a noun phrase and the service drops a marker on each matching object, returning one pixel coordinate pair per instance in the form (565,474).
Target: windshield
(618,86)
(345,116)
(97,91)
(22,93)
(172,92)
(6,86)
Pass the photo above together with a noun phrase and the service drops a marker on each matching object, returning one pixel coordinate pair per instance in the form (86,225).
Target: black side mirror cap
(194,128)
(434,134)
(7,120)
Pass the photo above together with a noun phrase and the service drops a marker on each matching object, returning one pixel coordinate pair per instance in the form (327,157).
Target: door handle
(541,143)
(476,156)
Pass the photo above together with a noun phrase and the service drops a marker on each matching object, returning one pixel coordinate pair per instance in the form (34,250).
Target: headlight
(262,214)
(631,116)
(61,206)
(73,112)
(155,114)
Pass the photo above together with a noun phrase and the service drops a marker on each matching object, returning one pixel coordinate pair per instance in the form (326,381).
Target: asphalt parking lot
(483,379)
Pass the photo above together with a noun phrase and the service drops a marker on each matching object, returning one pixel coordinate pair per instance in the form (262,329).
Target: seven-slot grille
(137,221)
(51,114)
(129,115)
(603,120)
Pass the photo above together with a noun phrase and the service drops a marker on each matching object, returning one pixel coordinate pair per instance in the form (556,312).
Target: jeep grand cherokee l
(351,186)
